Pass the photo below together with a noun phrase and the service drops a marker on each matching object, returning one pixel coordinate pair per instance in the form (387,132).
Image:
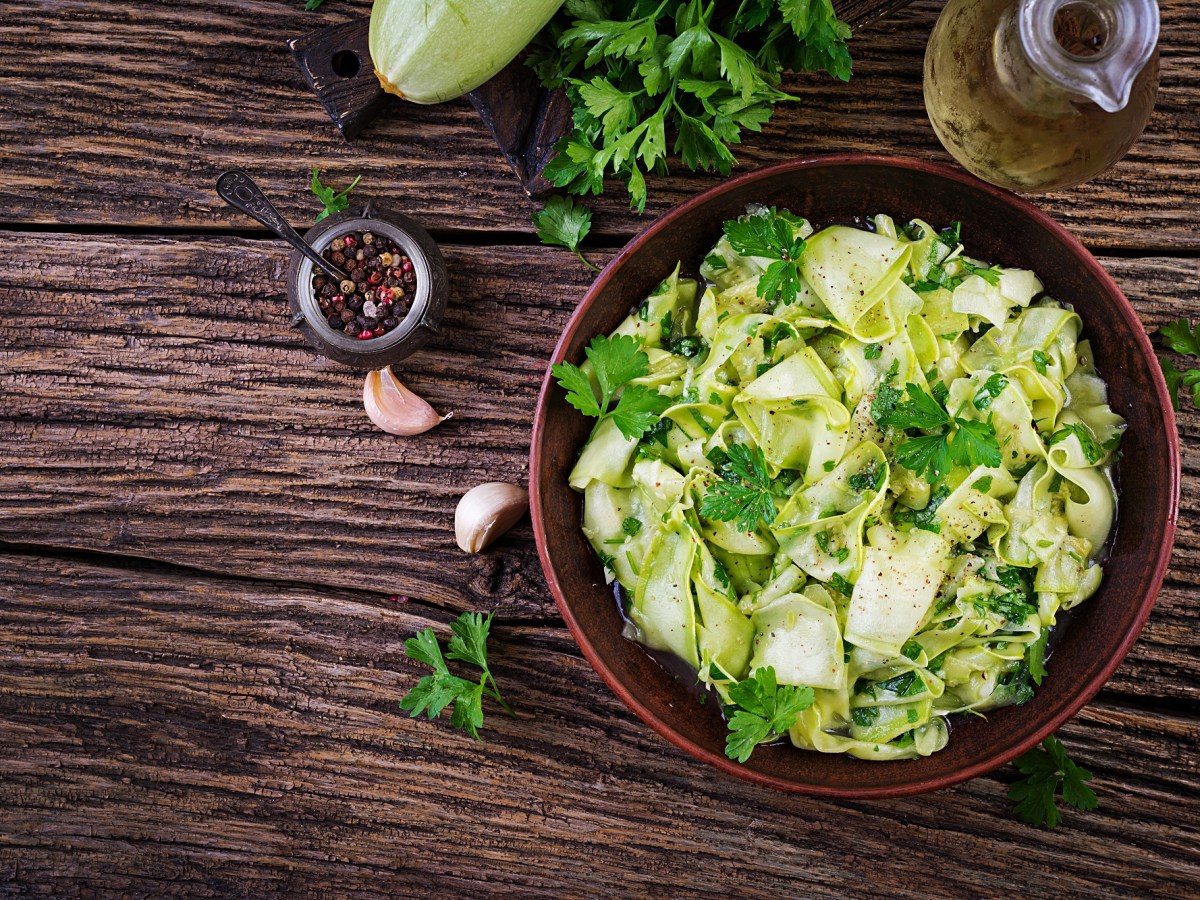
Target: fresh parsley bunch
(616,361)
(433,693)
(694,75)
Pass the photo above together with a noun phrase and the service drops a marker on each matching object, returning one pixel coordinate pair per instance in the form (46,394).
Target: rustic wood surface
(209,561)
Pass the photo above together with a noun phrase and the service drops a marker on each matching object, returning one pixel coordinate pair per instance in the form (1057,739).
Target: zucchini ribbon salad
(852,483)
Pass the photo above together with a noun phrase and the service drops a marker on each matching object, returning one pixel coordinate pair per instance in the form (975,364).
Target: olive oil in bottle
(1036,95)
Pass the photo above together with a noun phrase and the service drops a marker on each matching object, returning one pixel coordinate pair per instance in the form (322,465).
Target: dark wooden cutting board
(525,118)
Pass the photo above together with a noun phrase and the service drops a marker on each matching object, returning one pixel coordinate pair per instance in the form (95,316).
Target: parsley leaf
(1091,449)
(1047,768)
(763,710)
(957,441)
(745,492)
(991,389)
(872,351)
(1037,657)
(631,526)
(615,361)
(333,202)
(925,519)
(1040,361)
(1181,337)
(310,5)
(564,223)
(771,235)
(433,693)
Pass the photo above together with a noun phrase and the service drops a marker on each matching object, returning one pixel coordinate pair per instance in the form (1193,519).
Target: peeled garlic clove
(487,511)
(395,408)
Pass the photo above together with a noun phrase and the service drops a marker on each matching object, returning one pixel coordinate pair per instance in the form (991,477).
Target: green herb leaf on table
(745,493)
(1047,769)
(433,693)
(334,202)
(1181,337)
(564,223)
(615,361)
(310,5)
(763,710)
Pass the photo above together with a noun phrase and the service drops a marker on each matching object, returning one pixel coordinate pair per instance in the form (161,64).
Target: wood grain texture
(137,135)
(174,415)
(167,735)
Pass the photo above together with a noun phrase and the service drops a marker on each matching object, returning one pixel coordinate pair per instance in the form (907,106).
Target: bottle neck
(1052,54)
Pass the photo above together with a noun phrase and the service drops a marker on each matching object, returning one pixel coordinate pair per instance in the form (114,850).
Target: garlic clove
(394,408)
(487,511)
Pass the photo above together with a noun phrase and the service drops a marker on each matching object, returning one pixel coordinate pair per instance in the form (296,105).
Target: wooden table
(211,560)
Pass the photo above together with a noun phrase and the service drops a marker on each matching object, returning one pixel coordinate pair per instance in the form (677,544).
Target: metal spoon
(239,191)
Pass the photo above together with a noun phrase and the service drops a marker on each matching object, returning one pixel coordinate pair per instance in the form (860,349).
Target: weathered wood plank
(174,415)
(125,114)
(163,734)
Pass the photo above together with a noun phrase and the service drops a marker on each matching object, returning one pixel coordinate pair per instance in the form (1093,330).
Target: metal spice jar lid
(426,302)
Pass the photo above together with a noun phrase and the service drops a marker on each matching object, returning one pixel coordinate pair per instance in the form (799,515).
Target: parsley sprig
(695,75)
(564,223)
(771,235)
(433,693)
(763,710)
(616,361)
(1047,769)
(1184,339)
(334,202)
(954,441)
(746,493)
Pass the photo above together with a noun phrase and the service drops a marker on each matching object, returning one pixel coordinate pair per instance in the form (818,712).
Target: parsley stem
(592,266)
(494,690)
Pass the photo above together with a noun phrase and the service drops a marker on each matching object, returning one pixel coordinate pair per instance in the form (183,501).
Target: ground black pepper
(374,299)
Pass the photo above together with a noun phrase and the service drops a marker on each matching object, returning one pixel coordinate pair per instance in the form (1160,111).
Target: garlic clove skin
(394,408)
(487,511)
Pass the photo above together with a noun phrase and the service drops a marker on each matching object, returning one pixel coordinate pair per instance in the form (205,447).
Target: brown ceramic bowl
(998,226)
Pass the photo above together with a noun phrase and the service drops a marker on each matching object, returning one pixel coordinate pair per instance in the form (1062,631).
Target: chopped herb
(840,584)
(951,235)
(1092,450)
(925,519)
(715,262)
(907,684)
(829,465)
(763,368)
(984,484)
(631,526)
(1037,657)
(1040,361)
(863,716)
(772,336)
(911,649)
(990,390)
(912,717)
(869,479)
(873,351)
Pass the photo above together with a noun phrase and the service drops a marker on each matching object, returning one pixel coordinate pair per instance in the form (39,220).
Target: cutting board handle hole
(345,64)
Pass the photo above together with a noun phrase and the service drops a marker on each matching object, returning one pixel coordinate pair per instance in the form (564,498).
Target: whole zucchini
(428,51)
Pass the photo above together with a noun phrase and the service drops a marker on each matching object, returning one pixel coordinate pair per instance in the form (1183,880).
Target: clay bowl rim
(1079,697)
